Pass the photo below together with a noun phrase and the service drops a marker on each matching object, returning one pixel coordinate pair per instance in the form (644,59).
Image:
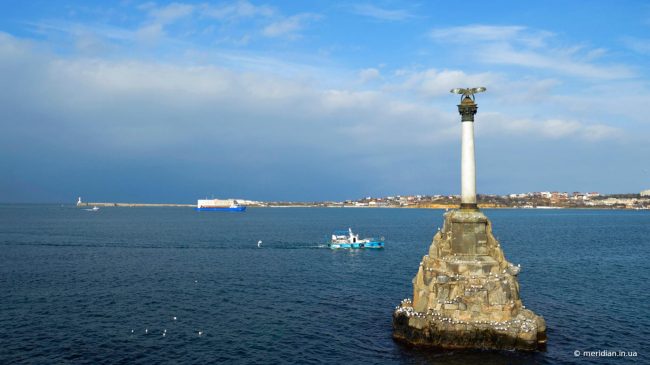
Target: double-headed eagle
(468,92)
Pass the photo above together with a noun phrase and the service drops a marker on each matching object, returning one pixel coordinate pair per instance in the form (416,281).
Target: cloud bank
(178,120)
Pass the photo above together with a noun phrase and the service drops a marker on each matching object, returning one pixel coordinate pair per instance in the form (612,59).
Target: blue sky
(171,101)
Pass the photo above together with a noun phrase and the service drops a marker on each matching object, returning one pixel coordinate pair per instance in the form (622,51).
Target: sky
(137,101)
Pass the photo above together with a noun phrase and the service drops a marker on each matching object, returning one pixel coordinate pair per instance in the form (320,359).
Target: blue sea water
(83,287)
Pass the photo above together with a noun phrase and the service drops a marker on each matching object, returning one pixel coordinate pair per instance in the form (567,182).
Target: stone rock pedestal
(466,295)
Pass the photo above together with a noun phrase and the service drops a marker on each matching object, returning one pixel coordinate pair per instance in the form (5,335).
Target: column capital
(467,108)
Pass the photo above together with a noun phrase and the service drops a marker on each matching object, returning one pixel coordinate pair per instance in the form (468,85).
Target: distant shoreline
(135,205)
(428,206)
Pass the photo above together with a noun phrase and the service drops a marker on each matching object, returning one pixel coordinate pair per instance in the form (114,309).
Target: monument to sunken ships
(465,294)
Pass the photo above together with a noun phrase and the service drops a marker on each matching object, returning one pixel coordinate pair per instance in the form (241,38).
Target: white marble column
(468,164)
(467,109)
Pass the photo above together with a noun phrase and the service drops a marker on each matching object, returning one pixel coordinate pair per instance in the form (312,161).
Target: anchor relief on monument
(465,293)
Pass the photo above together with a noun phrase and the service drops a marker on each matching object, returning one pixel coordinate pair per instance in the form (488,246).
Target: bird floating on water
(259,243)
(200,333)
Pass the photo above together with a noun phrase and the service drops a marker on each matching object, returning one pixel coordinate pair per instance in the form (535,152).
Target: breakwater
(133,205)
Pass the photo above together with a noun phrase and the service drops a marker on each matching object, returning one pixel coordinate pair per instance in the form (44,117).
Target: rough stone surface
(466,295)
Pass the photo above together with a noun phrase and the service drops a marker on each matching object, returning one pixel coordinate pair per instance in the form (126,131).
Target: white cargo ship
(224,205)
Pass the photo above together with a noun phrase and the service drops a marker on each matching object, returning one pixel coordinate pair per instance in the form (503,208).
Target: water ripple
(74,285)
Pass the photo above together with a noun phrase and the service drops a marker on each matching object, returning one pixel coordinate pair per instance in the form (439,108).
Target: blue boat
(347,239)
(239,208)
(217,205)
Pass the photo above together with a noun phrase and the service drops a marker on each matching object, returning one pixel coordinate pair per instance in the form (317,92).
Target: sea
(177,286)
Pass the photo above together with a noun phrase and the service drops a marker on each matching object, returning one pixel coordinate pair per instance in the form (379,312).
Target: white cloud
(551,129)
(150,32)
(432,82)
(529,48)
(608,101)
(595,54)
(600,131)
(153,30)
(639,45)
(368,74)
(477,33)
(238,9)
(288,26)
(170,13)
(147,106)
(373,11)
(143,112)
(557,128)
(100,31)
(556,60)
(190,99)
